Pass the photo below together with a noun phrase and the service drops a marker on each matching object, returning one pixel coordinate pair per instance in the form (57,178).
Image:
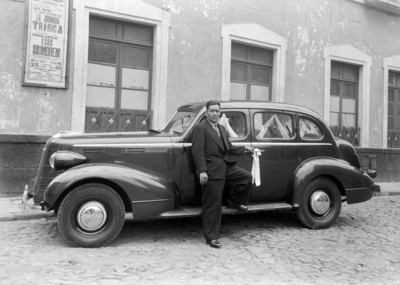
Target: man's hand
(203,178)
(249,149)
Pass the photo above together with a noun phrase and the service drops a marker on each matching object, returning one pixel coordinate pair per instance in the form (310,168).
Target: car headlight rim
(65,159)
(52,160)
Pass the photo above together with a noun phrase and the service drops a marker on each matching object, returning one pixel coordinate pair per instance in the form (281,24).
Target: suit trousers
(239,182)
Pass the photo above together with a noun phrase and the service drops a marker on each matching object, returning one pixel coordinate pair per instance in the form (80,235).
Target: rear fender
(149,193)
(352,182)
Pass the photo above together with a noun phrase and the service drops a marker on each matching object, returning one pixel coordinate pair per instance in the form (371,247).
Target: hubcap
(320,202)
(91,216)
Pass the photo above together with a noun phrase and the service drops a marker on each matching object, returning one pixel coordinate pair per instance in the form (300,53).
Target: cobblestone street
(264,248)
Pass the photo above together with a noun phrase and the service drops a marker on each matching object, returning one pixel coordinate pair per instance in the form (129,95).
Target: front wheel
(320,205)
(91,215)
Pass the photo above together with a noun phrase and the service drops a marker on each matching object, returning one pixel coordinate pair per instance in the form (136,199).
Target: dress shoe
(214,243)
(237,206)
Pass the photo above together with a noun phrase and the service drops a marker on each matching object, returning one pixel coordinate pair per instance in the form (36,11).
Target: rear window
(309,130)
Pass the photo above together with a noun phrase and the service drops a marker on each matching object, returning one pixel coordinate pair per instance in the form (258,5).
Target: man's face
(213,113)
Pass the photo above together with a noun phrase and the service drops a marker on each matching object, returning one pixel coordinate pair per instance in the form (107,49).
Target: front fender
(149,193)
(353,182)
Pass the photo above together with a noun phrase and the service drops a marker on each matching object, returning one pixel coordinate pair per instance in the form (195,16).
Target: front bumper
(27,204)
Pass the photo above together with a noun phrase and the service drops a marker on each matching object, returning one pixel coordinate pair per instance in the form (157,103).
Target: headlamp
(64,159)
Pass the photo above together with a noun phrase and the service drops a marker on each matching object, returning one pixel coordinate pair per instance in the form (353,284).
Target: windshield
(179,122)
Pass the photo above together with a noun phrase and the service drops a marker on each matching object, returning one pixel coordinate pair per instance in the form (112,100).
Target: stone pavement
(11,207)
(361,248)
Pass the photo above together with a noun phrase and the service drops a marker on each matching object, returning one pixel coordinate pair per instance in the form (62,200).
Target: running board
(196,211)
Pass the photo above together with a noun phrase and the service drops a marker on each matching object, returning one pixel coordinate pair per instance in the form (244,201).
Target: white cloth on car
(255,169)
(225,122)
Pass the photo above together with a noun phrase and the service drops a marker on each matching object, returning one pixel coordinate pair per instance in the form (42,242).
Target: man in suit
(210,148)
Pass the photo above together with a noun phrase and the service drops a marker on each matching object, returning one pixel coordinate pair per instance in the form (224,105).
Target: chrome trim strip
(150,201)
(241,143)
(179,145)
(130,145)
(190,144)
(287,143)
(256,144)
(358,189)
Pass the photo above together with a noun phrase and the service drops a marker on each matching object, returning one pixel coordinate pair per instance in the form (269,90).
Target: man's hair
(212,102)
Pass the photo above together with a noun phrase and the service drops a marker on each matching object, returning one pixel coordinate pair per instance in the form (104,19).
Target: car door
(236,122)
(274,133)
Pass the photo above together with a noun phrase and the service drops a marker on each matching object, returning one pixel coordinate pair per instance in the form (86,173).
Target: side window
(270,125)
(309,130)
(251,72)
(234,123)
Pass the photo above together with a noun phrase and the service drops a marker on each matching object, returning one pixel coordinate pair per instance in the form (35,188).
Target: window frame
(121,113)
(315,122)
(342,81)
(259,36)
(396,101)
(351,55)
(249,64)
(389,64)
(244,113)
(131,11)
(396,107)
(269,139)
(115,87)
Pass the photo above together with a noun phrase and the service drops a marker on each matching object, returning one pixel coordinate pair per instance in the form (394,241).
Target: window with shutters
(343,116)
(393,139)
(119,76)
(251,73)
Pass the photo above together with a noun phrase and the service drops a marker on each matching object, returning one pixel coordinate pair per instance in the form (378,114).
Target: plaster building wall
(195,55)
(28,115)
(25,110)
(195,49)
(191,62)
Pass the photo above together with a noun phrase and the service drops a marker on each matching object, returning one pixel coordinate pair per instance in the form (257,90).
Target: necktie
(216,129)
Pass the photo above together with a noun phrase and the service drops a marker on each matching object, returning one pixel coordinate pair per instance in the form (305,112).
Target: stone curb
(388,193)
(25,217)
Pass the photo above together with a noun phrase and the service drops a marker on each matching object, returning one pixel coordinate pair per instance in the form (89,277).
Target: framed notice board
(45,62)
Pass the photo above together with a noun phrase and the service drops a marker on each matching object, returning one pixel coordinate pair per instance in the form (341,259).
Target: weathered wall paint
(194,51)
(25,110)
(195,55)
(310,26)
(195,63)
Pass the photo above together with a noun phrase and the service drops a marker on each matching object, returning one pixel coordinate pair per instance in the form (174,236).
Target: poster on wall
(46,43)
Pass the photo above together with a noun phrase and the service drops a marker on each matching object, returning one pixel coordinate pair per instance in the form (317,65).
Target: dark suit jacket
(210,152)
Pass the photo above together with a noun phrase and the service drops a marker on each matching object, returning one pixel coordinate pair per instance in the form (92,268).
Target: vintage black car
(92,180)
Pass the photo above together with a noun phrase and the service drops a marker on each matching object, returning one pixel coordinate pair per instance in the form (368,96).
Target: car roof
(198,106)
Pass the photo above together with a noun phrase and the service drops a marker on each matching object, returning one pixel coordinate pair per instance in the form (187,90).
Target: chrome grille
(44,176)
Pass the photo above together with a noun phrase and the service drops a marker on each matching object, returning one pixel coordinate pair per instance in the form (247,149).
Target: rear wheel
(320,205)
(91,215)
